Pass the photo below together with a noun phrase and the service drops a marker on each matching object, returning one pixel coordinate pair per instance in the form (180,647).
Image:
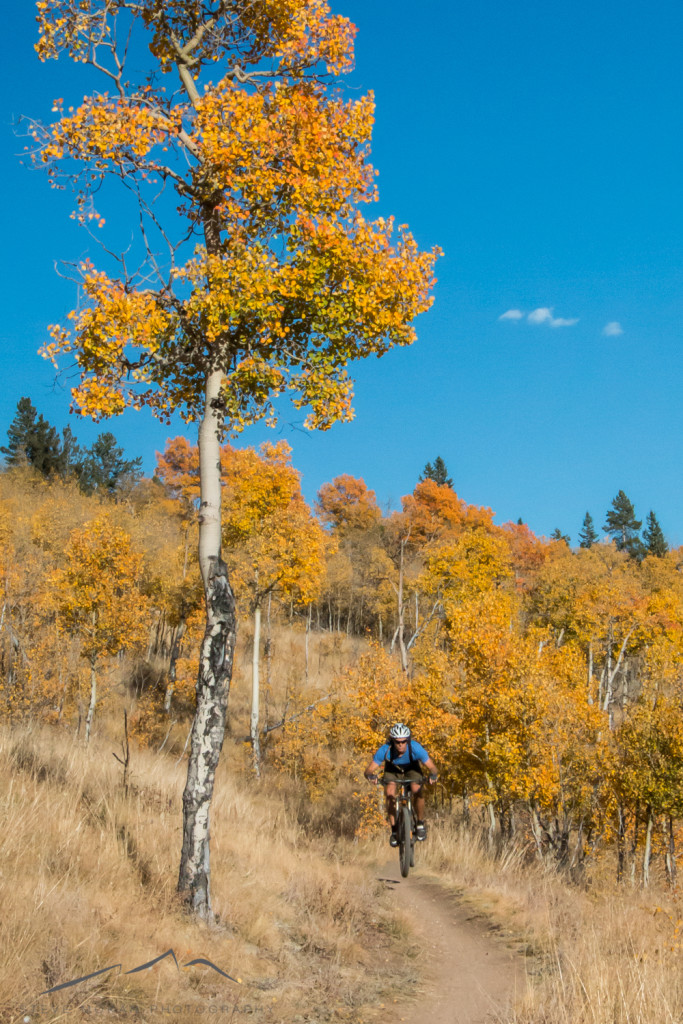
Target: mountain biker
(402,758)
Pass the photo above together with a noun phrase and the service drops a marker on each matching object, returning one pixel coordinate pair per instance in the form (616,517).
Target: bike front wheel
(405,841)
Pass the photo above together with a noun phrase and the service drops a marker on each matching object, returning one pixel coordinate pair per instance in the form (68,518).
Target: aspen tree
(260,277)
(98,598)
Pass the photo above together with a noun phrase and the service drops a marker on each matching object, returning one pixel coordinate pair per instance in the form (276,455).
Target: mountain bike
(406,824)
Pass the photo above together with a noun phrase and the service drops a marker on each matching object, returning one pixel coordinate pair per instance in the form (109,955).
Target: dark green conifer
(32,441)
(558,535)
(104,468)
(655,542)
(20,433)
(71,456)
(588,535)
(438,473)
(623,526)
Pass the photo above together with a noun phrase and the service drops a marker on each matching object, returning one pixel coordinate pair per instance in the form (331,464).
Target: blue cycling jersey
(384,754)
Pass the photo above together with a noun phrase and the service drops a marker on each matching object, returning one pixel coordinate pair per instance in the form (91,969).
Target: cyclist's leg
(390,799)
(419,806)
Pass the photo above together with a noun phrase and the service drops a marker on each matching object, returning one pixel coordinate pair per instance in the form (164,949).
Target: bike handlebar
(371,777)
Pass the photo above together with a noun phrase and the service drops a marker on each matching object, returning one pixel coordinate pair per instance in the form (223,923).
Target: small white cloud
(544,315)
(561,322)
(512,314)
(613,329)
(540,316)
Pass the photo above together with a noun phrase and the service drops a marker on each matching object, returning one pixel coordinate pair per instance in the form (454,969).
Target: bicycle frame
(405,825)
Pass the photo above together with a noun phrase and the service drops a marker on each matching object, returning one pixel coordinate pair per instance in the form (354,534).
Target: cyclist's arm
(431,768)
(371,770)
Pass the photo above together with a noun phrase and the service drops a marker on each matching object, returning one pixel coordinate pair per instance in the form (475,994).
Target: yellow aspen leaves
(262,266)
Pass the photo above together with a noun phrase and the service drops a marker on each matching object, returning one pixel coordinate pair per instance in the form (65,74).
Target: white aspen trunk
(634,844)
(612,675)
(647,854)
(393,640)
(600,684)
(493,824)
(590,672)
(93,701)
(608,673)
(175,653)
(255,695)
(269,643)
(492,793)
(215,667)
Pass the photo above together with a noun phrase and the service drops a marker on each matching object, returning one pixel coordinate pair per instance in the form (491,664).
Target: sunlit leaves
(293,283)
(294,35)
(97,592)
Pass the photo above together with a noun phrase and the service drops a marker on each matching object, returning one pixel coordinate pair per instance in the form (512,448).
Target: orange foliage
(348,504)
(293,283)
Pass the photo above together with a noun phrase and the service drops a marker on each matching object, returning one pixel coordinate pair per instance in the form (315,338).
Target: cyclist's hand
(371,778)
(432,779)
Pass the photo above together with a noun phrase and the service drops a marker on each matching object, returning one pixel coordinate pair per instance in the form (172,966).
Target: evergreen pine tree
(104,467)
(558,535)
(588,535)
(623,526)
(20,433)
(32,440)
(71,457)
(653,536)
(438,473)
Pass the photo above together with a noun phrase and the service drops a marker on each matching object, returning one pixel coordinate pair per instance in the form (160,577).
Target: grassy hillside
(88,874)
(596,953)
(559,743)
(88,878)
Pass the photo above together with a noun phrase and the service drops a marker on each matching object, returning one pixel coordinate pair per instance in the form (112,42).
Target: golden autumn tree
(647,775)
(97,596)
(346,504)
(258,274)
(274,545)
(359,572)
(432,516)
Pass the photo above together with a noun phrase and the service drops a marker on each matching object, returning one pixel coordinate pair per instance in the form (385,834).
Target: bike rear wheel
(404,841)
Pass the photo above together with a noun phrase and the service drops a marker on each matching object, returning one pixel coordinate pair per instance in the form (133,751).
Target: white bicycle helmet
(399,732)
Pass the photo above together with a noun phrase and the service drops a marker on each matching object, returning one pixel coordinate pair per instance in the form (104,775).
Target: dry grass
(284,683)
(602,954)
(87,880)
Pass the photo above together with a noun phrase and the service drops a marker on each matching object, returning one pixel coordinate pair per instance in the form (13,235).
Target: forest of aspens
(545,680)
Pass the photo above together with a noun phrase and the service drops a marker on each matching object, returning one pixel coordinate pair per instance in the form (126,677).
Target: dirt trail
(469,975)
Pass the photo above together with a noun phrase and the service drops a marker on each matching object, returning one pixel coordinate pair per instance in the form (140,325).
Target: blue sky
(540,146)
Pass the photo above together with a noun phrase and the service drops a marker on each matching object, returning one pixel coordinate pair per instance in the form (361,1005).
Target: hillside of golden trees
(545,681)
